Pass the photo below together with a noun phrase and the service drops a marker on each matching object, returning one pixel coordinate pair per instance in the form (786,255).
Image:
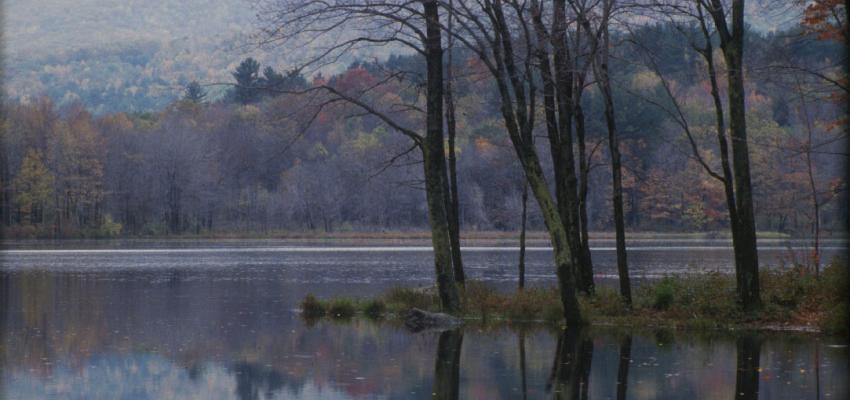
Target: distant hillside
(126,55)
(137,55)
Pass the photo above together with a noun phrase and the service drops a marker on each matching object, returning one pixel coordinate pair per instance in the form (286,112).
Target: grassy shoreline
(792,301)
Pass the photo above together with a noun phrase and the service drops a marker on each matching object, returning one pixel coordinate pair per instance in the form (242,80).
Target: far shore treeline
(259,160)
(610,115)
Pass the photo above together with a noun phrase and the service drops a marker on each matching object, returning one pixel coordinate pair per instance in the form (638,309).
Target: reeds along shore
(793,299)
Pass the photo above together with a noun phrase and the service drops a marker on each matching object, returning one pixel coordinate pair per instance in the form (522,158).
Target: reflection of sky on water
(221,325)
(664,364)
(145,376)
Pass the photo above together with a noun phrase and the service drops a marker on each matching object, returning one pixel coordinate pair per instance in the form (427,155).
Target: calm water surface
(217,320)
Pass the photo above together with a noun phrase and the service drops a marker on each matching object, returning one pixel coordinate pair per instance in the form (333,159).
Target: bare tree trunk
(557,97)
(568,199)
(815,256)
(517,94)
(616,171)
(584,171)
(746,250)
(433,151)
(522,236)
(451,125)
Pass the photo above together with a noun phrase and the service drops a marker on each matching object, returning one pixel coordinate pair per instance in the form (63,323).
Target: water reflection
(571,370)
(747,376)
(447,369)
(625,360)
(141,336)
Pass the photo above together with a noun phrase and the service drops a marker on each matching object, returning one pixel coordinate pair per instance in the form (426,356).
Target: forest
(258,160)
(552,179)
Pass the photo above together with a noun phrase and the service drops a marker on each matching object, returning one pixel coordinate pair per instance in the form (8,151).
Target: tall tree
(558,111)
(433,150)
(34,187)
(399,23)
(247,76)
(744,229)
(604,81)
(735,174)
(486,32)
(451,128)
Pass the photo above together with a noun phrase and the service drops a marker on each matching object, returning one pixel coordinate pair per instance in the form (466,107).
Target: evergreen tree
(194,93)
(247,77)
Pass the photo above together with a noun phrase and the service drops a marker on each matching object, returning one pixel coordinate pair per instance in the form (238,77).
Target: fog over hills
(137,55)
(127,55)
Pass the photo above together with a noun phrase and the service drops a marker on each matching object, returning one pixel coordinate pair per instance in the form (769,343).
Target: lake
(217,319)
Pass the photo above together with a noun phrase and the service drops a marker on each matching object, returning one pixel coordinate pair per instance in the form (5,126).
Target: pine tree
(194,93)
(247,77)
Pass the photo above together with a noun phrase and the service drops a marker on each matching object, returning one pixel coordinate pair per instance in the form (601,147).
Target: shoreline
(426,235)
(792,301)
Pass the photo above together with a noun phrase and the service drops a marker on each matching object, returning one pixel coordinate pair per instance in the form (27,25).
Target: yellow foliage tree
(34,185)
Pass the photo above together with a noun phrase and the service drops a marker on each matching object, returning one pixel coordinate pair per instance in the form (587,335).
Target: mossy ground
(791,299)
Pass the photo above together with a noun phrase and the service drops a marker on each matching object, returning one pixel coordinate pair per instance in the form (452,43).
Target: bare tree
(486,29)
(451,128)
(346,25)
(735,174)
(558,111)
(603,15)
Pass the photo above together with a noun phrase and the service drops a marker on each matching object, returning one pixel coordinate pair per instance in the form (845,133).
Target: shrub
(530,304)
(411,298)
(109,228)
(553,312)
(483,300)
(608,301)
(375,308)
(312,308)
(663,294)
(341,308)
(835,320)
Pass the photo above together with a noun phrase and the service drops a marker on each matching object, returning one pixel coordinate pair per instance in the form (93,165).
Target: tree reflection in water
(522,371)
(570,374)
(447,369)
(747,375)
(623,366)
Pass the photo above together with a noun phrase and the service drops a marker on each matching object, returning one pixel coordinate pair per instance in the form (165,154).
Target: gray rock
(419,320)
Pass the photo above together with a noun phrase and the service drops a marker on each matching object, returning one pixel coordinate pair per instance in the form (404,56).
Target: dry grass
(790,298)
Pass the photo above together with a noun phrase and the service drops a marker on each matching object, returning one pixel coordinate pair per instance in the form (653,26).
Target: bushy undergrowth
(342,308)
(789,297)
(375,308)
(311,307)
